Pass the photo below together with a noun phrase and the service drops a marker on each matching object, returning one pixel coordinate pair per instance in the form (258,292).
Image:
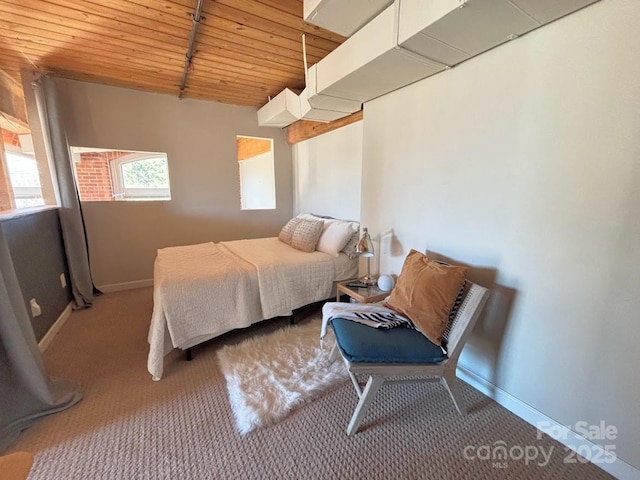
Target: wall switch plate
(35,308)
(63,280)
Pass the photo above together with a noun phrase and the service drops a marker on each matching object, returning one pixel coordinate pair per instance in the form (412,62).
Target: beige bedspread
(287,278)
(202,291)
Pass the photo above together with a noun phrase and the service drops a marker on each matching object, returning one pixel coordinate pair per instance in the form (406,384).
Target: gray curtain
(26,391)
(73,231)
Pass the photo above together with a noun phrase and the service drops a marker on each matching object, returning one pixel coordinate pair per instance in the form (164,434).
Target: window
(25,180)
(141,176)
(107,175)
(19,172)
(256,173)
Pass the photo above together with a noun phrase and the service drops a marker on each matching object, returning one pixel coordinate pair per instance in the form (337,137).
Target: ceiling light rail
(188,58)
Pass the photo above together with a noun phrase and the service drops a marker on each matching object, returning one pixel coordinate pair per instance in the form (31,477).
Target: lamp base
(369,280)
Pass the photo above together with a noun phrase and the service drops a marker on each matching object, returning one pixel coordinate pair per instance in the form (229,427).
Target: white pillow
(335,235)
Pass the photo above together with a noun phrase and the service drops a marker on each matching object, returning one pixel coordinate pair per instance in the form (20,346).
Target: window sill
(23,212)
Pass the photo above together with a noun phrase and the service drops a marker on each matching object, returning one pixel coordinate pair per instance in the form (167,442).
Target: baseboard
(618,468)
(55,328)
(117,287)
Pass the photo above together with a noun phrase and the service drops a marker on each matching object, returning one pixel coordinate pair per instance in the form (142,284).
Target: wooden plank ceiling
(245,50)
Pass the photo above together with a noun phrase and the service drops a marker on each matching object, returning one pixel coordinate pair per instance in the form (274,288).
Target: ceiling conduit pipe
(197,17)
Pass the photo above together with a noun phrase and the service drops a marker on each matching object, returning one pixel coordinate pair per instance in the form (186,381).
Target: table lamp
(364,248)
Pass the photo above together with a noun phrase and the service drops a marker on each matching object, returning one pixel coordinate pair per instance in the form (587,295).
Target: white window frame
(120,192)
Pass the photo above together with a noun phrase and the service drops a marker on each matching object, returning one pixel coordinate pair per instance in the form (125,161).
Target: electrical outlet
(63,280)
(35,308)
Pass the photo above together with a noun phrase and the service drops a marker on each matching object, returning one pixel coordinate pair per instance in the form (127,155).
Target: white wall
(328,173)
(257,182)
(199,138)
(526,161)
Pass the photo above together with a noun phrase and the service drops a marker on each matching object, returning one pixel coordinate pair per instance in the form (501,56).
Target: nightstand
(361,294)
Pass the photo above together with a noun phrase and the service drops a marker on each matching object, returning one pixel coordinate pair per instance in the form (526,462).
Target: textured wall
(328,172)
(199,138)
(35,243)
(524,161)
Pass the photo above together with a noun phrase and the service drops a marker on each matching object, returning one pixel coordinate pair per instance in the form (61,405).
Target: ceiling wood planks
(13,112)
(249,147)
(245,50)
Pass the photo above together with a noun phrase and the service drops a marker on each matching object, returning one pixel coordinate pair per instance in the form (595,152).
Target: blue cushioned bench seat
(362,344)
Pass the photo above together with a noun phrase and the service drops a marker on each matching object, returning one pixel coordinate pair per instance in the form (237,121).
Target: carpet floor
(129,427)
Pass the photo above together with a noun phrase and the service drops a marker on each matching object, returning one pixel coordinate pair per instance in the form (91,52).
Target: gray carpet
(128,426)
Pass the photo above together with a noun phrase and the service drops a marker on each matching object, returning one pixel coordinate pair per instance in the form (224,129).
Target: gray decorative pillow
(306,235)
(350,247)
(287,231)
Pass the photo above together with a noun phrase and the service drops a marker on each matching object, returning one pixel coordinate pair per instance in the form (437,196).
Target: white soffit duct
(287,108)
(450,31)
(325,110)
(344,17)
(414,39)
(545,11)
(281,111)
(370,64)
(408,41)
(326,102)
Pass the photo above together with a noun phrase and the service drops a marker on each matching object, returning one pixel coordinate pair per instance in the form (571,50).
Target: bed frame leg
(189,354)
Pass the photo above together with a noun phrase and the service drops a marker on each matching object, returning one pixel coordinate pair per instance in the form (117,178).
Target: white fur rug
(270,375)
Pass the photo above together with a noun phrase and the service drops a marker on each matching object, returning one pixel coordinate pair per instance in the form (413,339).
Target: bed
(202,291)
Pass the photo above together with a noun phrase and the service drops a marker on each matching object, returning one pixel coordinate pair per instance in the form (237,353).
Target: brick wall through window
(10,138)
(93,175)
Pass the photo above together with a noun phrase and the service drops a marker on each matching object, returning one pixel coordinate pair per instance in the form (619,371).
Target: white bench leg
(373,385)
(450,381)
(356,385)
(334,353)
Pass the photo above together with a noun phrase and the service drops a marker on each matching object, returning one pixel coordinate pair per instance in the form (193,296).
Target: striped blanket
(374,315)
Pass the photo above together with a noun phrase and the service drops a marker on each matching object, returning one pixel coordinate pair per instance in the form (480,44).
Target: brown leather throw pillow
(425,292)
